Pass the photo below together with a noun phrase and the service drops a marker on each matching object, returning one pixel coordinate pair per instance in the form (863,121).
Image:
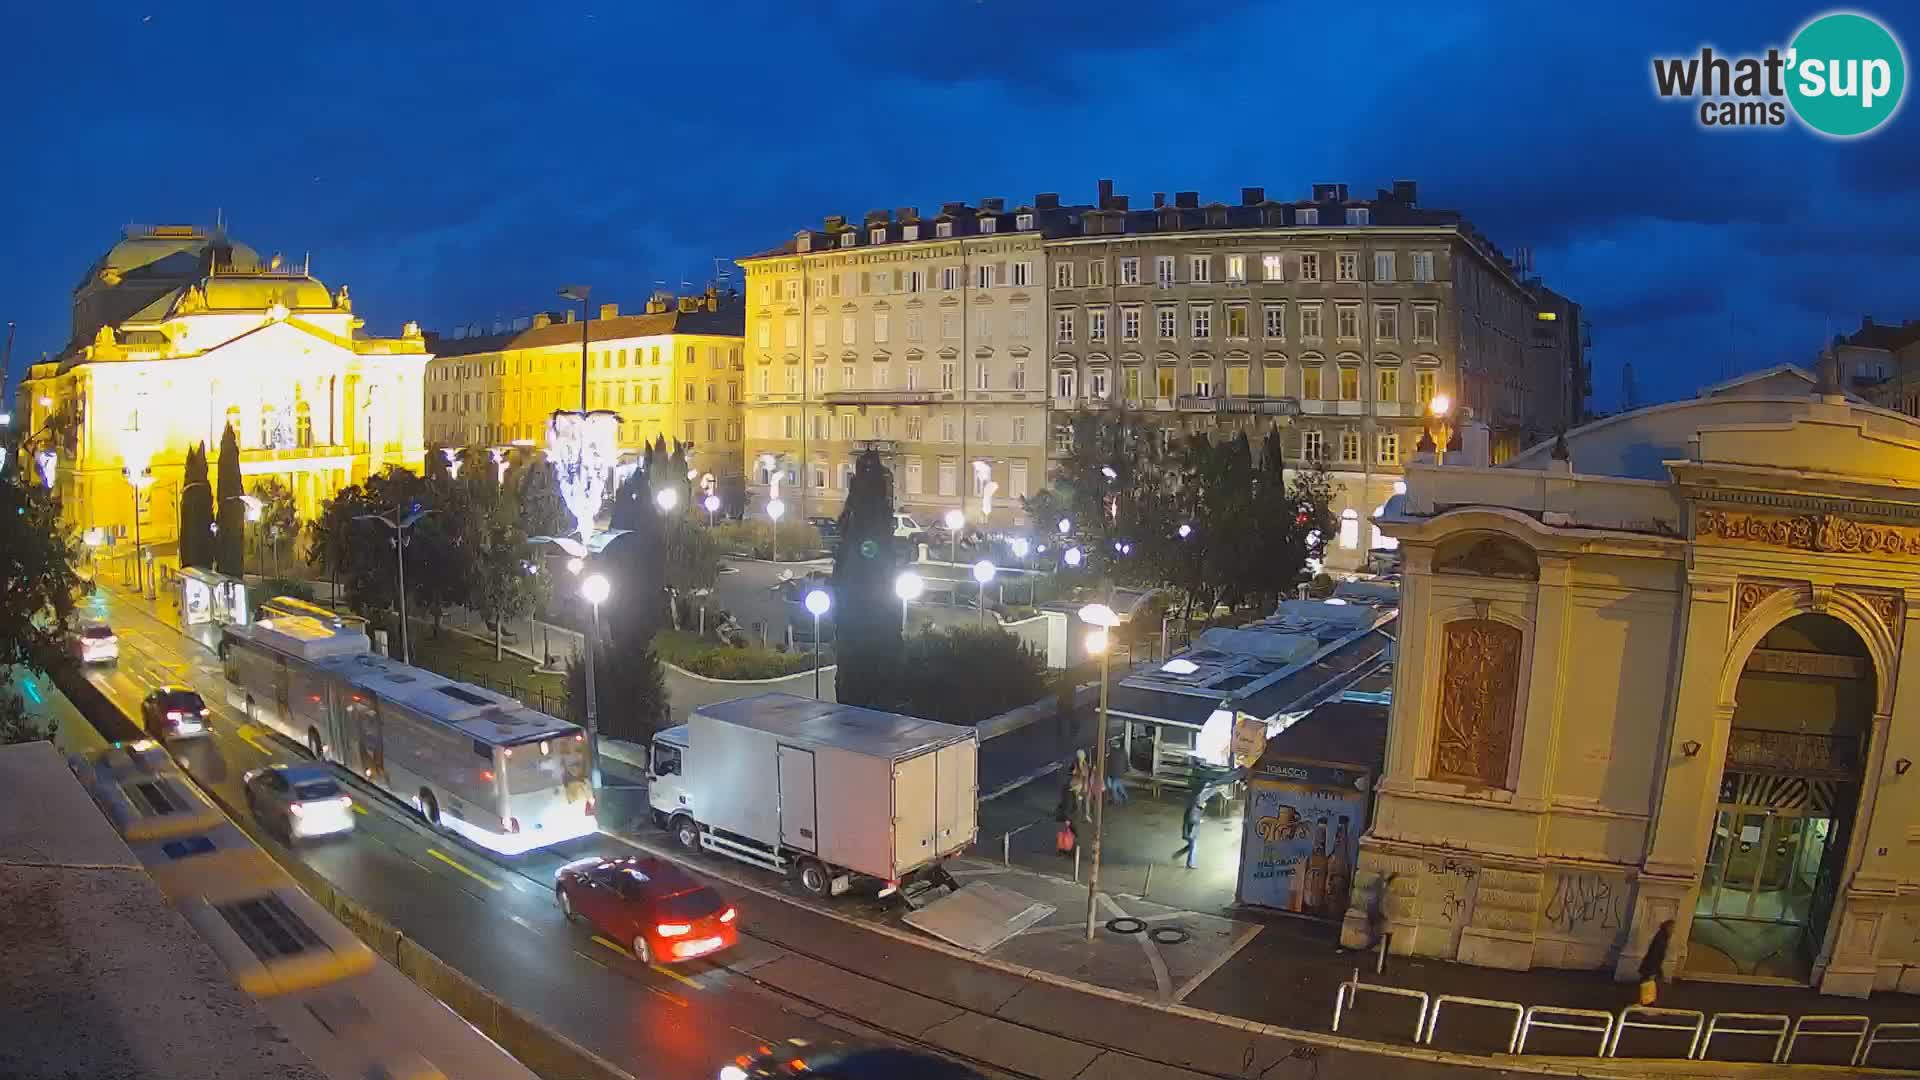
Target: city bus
(480,764)
(284,606)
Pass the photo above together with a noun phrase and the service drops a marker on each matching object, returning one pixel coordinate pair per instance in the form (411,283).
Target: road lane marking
(676,976)
(358,809)
(671,996)
(621,949)
(595,961)
(248,736)
(445,858)
(524,923)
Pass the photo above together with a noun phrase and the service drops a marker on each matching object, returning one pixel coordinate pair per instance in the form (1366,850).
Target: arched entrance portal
(1789,790)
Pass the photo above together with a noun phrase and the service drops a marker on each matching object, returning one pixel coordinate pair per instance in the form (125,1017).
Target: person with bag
(1651,963)
(1065,837)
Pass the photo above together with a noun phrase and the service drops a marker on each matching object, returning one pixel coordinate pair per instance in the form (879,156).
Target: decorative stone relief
(1479,681)
(1886,606)
(1750,594)
(1808,532)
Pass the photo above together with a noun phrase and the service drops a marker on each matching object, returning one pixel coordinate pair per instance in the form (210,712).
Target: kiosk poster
(1302,833)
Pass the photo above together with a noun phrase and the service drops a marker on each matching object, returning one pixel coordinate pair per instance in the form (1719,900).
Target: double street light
(594,589)
(400,524)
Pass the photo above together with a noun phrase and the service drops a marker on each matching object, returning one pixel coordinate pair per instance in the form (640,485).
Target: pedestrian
(1190,828)
(1651,964)
(1080,781)
(1065,837)
(1116,775)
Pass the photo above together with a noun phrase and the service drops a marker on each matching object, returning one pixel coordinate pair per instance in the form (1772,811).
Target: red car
(653,907)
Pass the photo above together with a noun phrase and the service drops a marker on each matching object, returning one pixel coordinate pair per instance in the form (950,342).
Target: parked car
(650,905)
(906,527)
(302,801)
(175,712)
(96,643)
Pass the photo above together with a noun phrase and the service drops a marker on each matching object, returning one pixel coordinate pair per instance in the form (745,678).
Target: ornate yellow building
(178,332)
(1659,673)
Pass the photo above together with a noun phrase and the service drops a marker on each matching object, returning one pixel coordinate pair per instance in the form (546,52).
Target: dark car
(175,712)
(650,905)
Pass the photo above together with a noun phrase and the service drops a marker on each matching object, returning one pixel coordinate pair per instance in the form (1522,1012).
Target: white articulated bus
(281,607)
(505,776)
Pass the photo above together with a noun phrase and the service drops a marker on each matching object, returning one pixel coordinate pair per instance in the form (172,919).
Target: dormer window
(1023,221)
(1359,215)
(803,242)
(909,232)
(846,238)
(1306,216)
(943,229)
(877,236)
(988,224)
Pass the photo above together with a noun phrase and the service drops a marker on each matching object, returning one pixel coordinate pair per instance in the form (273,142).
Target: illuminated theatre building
(1659,672)
(178,332)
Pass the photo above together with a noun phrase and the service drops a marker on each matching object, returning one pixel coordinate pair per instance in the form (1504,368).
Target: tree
(629,682)
(631,688)
(866,621)
(968,674)
(692,558)
(357,551)
(38,586)
(279,518)
(503,587)
(230,541)
(19,726)
(196,510)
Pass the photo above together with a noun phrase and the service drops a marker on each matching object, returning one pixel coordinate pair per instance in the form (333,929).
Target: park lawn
(716,661)
(461,657)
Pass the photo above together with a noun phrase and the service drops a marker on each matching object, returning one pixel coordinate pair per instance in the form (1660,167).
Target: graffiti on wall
(1586,905)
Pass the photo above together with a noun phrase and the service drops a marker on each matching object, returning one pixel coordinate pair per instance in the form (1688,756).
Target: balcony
(1241,404)
(1793,752)
(879,397)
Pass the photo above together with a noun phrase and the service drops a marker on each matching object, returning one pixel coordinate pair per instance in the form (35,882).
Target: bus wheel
(429,807)
(314,746)
(814,878)
(249,709)
(686,833)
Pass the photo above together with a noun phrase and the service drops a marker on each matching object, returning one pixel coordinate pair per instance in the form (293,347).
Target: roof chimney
(1406,191)
(1120,202)
(1159,199)
(1106,194)
(609,311)
(907,215)
(994,205)
(835,222)
(1047,200)
(541,319)
(1187,200)
(1252,196)
(569,315)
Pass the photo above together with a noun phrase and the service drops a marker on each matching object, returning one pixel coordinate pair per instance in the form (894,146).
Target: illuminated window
(1349,529)
(943,229)
(1023,221)
(1350,385)
(1423,266)
(1163,271)
(1359,215)
(1236,269)
(1236,321)
(1130,271)
(1313,445)
(1389,454)
(1270,268)
(1063,275)
(1388,385)
(303,425)
(989,224)
(1383,266)
(1310,381)
(1202,382)
(1096,273)
(1306,216)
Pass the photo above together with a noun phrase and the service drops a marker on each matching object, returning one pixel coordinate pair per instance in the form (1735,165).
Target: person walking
(1116,773)
(1065,837)
(1652,963)
(1190,829)
(1081,782)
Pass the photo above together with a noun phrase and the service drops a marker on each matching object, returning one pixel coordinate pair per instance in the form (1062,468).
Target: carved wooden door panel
(1479,680)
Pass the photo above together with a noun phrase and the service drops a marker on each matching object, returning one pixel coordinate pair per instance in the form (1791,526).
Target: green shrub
(716,661)
(763,540)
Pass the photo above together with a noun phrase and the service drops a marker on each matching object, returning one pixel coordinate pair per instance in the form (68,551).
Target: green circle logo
(1847,74)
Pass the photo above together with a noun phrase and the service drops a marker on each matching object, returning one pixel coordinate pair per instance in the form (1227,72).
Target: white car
(301,801)
(906,528)
(96,644)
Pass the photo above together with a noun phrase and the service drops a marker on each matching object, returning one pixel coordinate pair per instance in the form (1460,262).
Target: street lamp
(1186,530)
(1073,556)
(666,499)
(594,589)
(1441,408)
(1103,620)
(817,602)
(452,457)
(955,520)
(712,503)
(580,293)
(400,524)
(775,509)
(983,572)
(907,587)
(1065,526)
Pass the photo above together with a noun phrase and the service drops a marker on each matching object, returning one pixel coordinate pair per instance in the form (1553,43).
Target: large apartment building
(674,370)
(922,338)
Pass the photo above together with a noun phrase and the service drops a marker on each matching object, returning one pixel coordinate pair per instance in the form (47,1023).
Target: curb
(1551,1067)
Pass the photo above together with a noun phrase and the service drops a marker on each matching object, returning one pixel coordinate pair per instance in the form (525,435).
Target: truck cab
(667,789)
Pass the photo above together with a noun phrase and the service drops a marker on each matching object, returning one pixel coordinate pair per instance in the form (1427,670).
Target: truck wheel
(686,833)
(429,807)
(314,746)
(814,878)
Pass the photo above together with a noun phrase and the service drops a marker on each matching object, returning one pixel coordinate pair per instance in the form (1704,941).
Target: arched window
(302,425)
(1349,528)
(233,421)
(266,426)
(1381,541)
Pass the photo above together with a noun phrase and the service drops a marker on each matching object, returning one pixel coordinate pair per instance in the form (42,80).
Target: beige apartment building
(922,338)
(1340,320)
(674,370)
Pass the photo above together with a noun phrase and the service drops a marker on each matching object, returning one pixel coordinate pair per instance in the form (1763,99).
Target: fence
(1701,1029)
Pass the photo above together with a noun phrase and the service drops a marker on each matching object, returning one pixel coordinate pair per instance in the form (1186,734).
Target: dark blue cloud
(457,161)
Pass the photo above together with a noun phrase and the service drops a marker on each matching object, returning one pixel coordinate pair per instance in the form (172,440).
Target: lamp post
(1441,408)
(983,572)
(594,589)
(400,524)
(580,293)
(817,602)
(140,482)
(907,587)
(955,520)
(1073,557)
(712,503)
(1103,620)
(775,509)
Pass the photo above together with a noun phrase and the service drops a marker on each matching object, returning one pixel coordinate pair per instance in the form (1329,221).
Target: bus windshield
(529,770)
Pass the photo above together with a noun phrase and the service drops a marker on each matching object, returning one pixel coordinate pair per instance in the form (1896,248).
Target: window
(877,236)
(982,375)
(819,332)
(1310,322)
(687,430)
(1019,381)
(1346,321)
(793,291)
(792,338)
(1237,321)
(733,431)
(819,378)
(915,481)
(1310,382)
(1063,275)
(1169,323)
(1349,384)
(1386,322)
(947,380)
(1016,479)
(913,376)
(989,224)
(1163,271)
(980,434)
(713,431)
(1236,269)
(1023,221)
(1276,322)
(1202,382)
(846,238)
(733,391)
(1426,323)
(1130,271)
(949,327)
(1097,273)
(1313,446)
(1387,385)
(1423,266)
(1063,327)
(1019,431)
(873,282)
(914,328)
(1130,324)
(1202,322)
(1097,324)
(1097,384)
(943,229)
(1270,267)
(1064,384)
(1383,266)
(881,376)
(983,276)
(879,328)
(1309,266)
(1022,274)
(949,477)
(762,384)
(1130,382)
(1200,269)
(1307,216)
(1063,438)
(1163,382)
(916,428)
(1017,324)
(848,379)
(302,424)
(1347,266)
(949,277)
(1387,447)
(820,428)
(916,280)
(713,393)
(1359,215)
(653,356)
(1423,387)
(1349,528)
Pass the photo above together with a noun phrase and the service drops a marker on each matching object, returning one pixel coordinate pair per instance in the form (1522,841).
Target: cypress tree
(231,541)
(866,612)
(196,510)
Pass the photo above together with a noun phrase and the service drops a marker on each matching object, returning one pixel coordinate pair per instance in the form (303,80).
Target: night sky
(454,162)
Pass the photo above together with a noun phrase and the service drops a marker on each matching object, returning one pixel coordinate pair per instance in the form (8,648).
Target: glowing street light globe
(955,519)
(818,602)
(595,589)
(983,571)
(1073,556)
(1096,642)
(909,586)
(712,503)
(1020,547)
(1065,526)
(1186,530)
(1441,405)
(1099,615)
(667,498)
(574,566)
(775,509)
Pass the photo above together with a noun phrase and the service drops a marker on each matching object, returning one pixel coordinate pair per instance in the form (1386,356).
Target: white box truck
(829,793)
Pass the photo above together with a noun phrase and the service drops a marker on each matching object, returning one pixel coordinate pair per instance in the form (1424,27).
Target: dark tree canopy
(230,512)
(37,583)
(196,510)
(866,611)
